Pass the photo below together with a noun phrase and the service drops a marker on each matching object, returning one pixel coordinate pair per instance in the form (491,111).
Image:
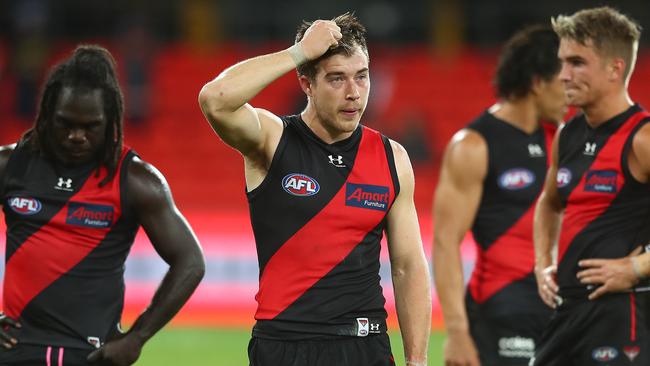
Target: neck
(324,130)
(606,108)
(520,113)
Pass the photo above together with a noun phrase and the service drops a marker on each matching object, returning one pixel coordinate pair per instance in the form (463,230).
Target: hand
(122,351)
(460,350)
(319,37)
(546,285)
(614,275)
(7,340)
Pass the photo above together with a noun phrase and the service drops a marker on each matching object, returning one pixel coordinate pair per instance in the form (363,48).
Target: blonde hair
(611,33)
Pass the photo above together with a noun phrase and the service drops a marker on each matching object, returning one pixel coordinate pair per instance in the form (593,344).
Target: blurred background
(432,63)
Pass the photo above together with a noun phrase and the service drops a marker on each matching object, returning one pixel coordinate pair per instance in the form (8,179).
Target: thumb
(95,355)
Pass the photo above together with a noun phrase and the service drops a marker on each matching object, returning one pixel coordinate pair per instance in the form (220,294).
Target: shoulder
(641,140)
(467,144)
(5,154)
(145,183)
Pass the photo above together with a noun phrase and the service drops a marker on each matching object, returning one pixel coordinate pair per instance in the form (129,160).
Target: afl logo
(25,206)
(563,177)
(604,354)
(515,179)
(300,185)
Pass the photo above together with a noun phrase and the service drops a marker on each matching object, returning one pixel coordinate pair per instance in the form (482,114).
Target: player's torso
(502,229)
(318,219)
(605,208)
(67,240)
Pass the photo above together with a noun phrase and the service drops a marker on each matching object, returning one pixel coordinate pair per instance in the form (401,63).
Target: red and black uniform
(505,311)
(318,218)
(67,241)
(606,215)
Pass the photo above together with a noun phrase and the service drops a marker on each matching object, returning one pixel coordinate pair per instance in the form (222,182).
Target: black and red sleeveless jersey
(67,241)
(318,218)
(606,210)
(503,279)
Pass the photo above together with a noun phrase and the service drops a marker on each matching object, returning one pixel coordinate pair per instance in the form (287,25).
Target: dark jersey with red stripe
(503,281)
(606,210)
(67,241)
(318,218)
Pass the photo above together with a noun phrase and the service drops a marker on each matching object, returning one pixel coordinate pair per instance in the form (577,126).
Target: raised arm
(410,271)
(457,197)
(546,229)
(224,100)
(172,237)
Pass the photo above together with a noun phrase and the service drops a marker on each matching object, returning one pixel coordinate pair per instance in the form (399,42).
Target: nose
(352,91)
(77,135)
(565,72)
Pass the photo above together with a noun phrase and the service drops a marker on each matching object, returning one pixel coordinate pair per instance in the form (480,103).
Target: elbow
(213,100)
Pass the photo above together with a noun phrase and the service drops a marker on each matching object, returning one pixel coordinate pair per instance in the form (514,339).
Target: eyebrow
(339,73)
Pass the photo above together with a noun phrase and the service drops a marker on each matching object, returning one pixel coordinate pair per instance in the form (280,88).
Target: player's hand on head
(319,37)
(546,285)
(460,350)
(121,351)
(6,323)
(611,275)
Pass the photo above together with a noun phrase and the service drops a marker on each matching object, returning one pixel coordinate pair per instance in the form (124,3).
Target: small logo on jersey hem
(367,196)
(89,215)
(365,327)
(516,179)
(25,206)
(631,352)
(64,184)
(590,148)
(94,341)
(601,181)
(301,185)
(604,354)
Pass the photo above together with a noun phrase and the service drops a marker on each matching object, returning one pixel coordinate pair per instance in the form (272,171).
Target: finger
(8,338)
(600,291)
(552,285)
(588,272)
(592,262)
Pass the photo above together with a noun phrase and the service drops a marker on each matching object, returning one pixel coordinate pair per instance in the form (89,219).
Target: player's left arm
(410,271)
(616,275)
(173,239)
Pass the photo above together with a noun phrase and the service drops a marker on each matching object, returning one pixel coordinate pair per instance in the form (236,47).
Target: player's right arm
(457,198)
(224,100)
(5,322)
(546,229)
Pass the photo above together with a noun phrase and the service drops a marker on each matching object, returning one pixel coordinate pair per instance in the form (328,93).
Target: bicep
(403,230)
(169,232)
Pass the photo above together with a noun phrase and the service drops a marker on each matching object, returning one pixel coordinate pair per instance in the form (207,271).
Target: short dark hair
(531,52)
(612,34)
(353,35)
(91,67)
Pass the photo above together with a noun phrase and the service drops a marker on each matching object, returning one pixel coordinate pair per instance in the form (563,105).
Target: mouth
(350,112)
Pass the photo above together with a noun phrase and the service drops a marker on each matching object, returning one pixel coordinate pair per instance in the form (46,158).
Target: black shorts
(507,340)
(349,351)
(33,355)
(608,331)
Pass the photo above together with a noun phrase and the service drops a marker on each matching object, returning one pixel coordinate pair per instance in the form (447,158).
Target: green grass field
(227,347)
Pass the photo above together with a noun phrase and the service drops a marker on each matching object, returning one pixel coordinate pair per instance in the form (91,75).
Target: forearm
(450,285)
(413,303)
(238,84)
(546,230)
(175,289)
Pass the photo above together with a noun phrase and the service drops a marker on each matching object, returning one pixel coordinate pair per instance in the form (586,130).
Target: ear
(305,85)
(616,69)
(536,85)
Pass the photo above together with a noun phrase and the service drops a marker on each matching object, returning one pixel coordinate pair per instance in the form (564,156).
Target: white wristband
(416,363)
(297,54)
(635,268)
